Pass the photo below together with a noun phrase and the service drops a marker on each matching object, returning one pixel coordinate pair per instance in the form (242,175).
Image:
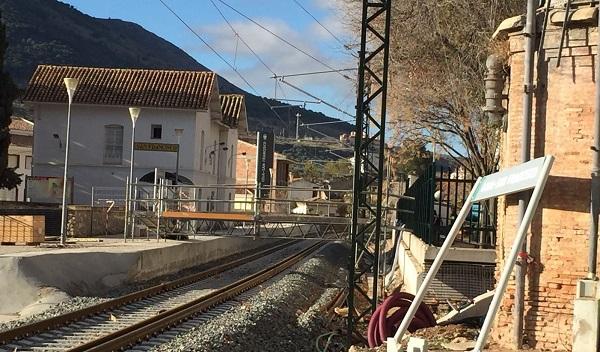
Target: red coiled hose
(383,326)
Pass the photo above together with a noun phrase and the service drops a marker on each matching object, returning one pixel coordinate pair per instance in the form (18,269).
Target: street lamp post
(246,184)
(134,113)
(71,84)
(298,122)
(220,193)
(178,133)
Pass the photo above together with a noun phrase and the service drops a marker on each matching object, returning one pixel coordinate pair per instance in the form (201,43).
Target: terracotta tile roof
(19,124)
(124,87)
(232,106)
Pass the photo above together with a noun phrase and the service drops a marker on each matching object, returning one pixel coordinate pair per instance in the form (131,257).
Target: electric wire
(237,34)
(321,100)
(240,37)
(222,58)
(314,73)
(344,45)
(284,40)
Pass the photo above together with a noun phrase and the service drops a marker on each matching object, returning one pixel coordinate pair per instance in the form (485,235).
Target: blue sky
(283,17)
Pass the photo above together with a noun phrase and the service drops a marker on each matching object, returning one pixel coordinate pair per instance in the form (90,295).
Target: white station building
(101,127)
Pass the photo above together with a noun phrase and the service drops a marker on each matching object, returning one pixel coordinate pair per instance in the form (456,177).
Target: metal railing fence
(433,203)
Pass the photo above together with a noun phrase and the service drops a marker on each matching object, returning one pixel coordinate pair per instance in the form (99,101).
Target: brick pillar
(562,126)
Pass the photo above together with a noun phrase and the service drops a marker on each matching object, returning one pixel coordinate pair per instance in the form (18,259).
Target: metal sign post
(532,174)
(264,159)
(265,150)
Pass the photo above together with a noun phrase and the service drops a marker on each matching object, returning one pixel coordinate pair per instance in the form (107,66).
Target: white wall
(88,143)
(19,193)
(303,193)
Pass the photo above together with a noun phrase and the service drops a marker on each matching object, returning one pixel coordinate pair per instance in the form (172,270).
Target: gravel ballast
(79,302)
(69,305)
(285,314)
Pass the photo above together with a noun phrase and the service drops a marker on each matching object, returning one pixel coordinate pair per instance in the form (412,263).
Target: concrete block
(587,289)
(478,308)
(96,270)
(392,345)
(416,345)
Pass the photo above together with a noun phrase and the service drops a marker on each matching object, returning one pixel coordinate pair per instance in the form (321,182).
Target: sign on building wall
(265,143)
(47,189)
(156,147)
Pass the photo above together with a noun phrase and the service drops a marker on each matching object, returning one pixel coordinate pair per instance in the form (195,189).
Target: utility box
(586,317)
(140,231)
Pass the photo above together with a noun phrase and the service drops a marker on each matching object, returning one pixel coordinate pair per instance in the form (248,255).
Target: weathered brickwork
(562,126)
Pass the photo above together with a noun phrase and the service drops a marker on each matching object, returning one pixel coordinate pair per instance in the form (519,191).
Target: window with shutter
(113,144)
(156,132)
(13,161)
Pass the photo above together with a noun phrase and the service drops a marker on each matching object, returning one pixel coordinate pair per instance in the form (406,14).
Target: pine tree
(8,177)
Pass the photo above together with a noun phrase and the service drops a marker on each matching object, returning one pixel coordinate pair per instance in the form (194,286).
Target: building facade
(246,174)
(19,156)
(562,126)
(101,128)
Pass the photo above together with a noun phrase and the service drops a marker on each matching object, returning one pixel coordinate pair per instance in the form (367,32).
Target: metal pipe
(92,214)
(521,270)
(563,32)
(595,181)
(130,178)
(132,206)
(545,25)
(297,124)
(126,210)
(63,223)
(177,163)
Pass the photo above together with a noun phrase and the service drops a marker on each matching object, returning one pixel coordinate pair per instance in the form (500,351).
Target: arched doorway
(181,180)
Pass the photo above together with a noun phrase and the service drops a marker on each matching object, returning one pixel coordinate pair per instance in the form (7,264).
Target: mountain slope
(51,32)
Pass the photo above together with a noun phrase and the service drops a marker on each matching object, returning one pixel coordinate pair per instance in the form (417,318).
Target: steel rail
(61,320)
(140,331)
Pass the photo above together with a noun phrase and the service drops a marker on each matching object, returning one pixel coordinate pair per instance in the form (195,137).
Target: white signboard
(515,179)
(530,175)
(47,189)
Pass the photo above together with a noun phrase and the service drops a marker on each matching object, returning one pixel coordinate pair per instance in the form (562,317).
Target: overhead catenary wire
(240,38)
(284,40)
(315,97)
(344,45)
(221,58)
(237,34)
(275,75)
(314,73)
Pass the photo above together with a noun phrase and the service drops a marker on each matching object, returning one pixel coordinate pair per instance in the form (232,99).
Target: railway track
(127,320)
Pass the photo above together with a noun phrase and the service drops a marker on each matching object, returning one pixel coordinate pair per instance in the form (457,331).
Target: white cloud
(282,59)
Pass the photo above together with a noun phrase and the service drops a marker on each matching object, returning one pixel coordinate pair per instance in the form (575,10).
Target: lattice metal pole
(368,159)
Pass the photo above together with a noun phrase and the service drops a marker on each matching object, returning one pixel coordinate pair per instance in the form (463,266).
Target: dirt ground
(435,336)
(442,334)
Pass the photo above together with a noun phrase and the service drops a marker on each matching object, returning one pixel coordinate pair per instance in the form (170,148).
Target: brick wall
(240,170)
(562,126)
(279,165)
